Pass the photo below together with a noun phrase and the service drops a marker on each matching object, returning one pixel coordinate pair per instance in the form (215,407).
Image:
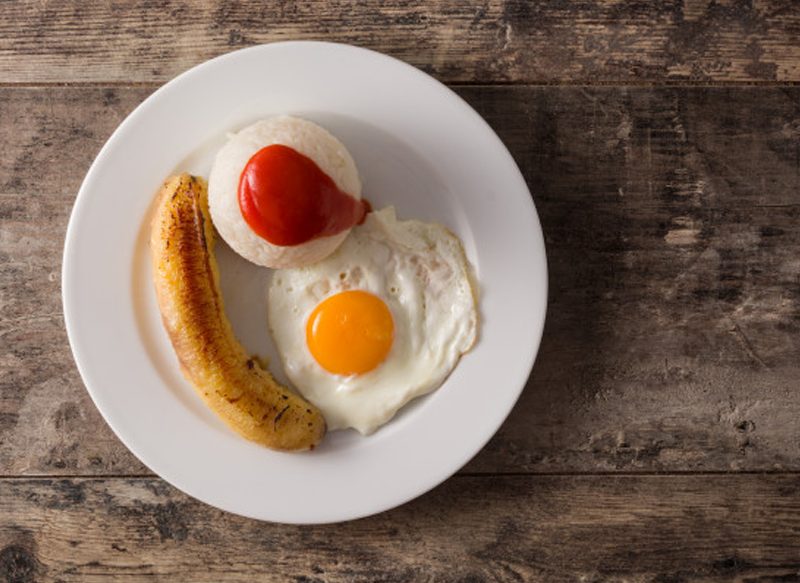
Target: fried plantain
(231,382)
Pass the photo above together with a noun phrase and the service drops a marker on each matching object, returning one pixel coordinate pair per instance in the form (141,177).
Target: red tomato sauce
(288,200)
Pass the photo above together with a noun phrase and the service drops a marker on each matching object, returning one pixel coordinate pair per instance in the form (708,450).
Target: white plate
(419,147)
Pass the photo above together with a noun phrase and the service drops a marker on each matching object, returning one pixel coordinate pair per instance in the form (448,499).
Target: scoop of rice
(307,138)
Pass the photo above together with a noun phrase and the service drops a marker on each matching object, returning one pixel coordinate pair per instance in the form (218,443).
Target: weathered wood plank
(671,219)
(694,41)
(545,528)
(50,136)
(47,420)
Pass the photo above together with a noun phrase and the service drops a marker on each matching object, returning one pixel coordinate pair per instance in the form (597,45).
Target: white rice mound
(223,184)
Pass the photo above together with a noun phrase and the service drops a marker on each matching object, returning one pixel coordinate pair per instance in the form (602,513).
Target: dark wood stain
(656,440)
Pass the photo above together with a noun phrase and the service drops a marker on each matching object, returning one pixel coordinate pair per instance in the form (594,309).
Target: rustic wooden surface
(657,439)
(512,528)
(553,41)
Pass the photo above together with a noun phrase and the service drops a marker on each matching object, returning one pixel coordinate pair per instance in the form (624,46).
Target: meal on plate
(367,311)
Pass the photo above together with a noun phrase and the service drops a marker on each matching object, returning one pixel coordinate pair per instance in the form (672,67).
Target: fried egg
(382,320)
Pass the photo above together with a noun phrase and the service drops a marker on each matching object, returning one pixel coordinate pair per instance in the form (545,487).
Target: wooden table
(658,438)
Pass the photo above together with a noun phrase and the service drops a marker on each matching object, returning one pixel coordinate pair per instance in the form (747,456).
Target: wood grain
(673,319)
(516,528)
(683,41)
(45,414)
(656,440)
(671,218)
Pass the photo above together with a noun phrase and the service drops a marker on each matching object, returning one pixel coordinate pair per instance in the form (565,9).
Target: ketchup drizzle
(288,200)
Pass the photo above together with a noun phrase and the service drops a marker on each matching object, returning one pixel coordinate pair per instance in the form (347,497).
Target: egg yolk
(350,332)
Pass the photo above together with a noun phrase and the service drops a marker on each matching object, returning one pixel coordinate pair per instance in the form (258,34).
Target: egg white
(420,271)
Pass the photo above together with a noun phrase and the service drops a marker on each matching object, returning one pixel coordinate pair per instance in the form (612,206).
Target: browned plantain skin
(231,383)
